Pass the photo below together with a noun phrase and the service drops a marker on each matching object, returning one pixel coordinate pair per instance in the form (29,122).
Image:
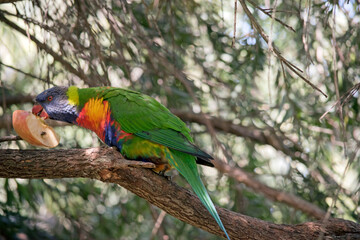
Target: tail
(186,165)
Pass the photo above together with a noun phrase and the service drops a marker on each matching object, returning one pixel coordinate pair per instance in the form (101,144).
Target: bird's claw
(162,173)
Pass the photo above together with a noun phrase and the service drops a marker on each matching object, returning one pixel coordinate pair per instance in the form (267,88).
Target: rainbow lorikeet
(140,127)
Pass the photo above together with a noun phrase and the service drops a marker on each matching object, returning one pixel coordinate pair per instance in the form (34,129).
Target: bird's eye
(49,98)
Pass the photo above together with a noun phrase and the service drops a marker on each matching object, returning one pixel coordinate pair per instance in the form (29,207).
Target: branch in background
(16,99)
(263,136)
(235,11)
(78,72)
(158,219)
(343,99)
(20,71)
(10,138)
(4,121)
(273,194)
(107,165)
(268,11)
(273,48)
(268,136)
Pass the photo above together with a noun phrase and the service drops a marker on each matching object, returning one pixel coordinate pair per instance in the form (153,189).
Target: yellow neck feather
(73,95)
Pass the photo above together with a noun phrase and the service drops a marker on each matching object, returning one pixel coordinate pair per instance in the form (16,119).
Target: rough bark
(107,165)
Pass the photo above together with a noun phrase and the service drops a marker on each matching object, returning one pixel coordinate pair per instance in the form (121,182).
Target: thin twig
(261,31)
(268,13)
(222,13)
(10,138)
(342,125)
(20,71)
(270,44)
(273,194)
(305,34)
(46,48)
(235,11)
(4,104)
(158,221)
(343,99)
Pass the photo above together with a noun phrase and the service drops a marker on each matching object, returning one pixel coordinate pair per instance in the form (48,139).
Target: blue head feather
(56,104)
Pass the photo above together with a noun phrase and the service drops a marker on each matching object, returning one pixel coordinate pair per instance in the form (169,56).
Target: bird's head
(54,104)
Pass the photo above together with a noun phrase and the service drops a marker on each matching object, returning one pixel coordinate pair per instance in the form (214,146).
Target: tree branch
(271,193)
(21,71)
(78,72)
(107,165)
(262,136)
(10,138)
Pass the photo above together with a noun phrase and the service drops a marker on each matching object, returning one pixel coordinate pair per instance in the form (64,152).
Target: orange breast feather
(95,116)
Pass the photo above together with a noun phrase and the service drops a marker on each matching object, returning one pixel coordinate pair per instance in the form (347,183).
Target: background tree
(250,85)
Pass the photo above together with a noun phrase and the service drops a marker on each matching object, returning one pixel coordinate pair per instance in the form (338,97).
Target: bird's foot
(169,178)
(161,169)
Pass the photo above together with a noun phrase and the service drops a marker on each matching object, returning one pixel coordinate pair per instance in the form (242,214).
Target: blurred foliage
(180,53)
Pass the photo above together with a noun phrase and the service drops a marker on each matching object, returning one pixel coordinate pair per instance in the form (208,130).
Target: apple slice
(32,129)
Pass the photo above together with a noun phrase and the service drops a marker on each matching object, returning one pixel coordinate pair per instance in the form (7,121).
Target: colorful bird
(139,126)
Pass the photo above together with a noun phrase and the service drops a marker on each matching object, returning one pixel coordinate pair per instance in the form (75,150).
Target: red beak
(38,110)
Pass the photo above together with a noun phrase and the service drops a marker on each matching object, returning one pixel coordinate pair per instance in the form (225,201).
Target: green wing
(174,140)
(147,118)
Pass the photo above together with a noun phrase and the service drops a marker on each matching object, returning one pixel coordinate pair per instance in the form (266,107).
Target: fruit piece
(32,129)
